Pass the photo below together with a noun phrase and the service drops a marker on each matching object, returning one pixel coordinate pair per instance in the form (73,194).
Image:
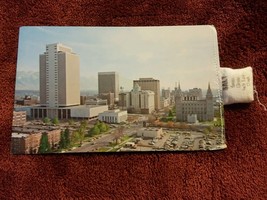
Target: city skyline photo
(169,54)
(100,89)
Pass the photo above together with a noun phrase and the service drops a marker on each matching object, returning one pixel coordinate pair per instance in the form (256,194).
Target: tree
(81,132)
(62,142)
(102,127)
(67,137)
(44,144)
(46,120)
(75,137)
(170,113)
(94,131)
(83,124)
(55,121)
(64,139)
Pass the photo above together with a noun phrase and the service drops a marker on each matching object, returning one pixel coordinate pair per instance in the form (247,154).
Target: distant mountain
(27,80)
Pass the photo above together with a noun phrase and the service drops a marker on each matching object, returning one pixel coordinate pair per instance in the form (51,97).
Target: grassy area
(113,144)
(125,137)
(103,149)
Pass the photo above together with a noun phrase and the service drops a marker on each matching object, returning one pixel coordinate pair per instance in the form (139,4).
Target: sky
(171,54)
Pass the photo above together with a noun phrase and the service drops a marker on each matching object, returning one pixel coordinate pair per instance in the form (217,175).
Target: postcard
(117,89)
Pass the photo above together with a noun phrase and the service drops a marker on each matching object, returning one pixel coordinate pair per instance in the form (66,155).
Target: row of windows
(200,109)
(109,119)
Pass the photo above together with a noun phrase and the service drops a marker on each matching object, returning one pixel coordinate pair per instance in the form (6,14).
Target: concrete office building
(87,111)
(124,100)
(188,106)
(59,81)
(113,116)
(59,77)
(141,101)
(153,85)
(137,101)
(108,82)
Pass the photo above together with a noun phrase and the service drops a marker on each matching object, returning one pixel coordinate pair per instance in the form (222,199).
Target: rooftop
(19,135)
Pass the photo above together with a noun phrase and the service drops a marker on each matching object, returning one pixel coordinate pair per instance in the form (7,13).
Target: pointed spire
(209,92)
(179,87)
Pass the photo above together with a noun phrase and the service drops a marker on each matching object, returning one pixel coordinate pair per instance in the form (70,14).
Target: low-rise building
(26,140)
(87,111)
(137,101)
(25,143)
(27,101)
(76,112)
(113,116)
(19,118)
(150,132)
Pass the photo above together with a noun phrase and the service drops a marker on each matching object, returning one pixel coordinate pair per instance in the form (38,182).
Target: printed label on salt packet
(237,85)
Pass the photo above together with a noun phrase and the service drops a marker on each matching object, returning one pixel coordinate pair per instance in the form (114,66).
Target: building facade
(88,112)
(152,85)
(124,100)
(137,101)
(59,76)
(189,105)
(27,140)
(59,71)
(108,82)
(19,118)
(150,132)
(113,116)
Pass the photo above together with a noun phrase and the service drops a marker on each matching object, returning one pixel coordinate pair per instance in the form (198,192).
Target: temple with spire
(190,105)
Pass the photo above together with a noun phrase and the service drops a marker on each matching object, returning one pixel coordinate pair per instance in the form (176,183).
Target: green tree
(67,137)
(55,121)
(62,142)
(97,124)
(94,131)
(44,144)
(81,132)
(102,127)
(83,124)
(64,139)
(170,113)
(46,120)
(75,137)
(107,127)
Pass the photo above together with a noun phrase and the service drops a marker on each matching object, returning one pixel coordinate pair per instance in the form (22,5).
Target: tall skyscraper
(108,82)
(150,84)
(59,76)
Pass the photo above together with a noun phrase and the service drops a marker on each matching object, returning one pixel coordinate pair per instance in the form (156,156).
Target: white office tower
(59,77)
